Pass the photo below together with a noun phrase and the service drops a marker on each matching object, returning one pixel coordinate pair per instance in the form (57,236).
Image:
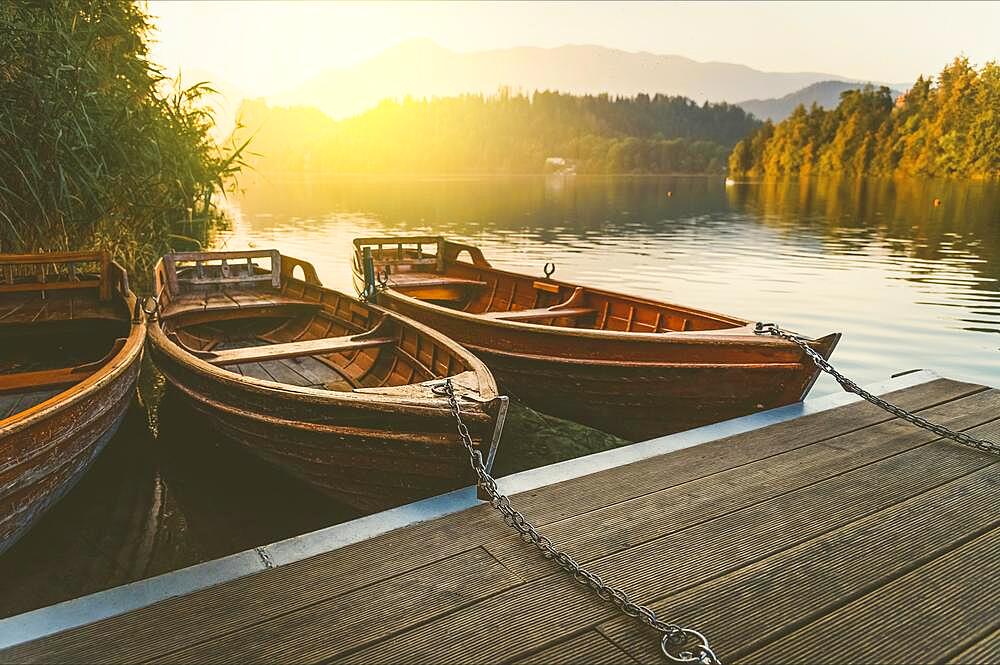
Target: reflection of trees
(459,206)
(898,214)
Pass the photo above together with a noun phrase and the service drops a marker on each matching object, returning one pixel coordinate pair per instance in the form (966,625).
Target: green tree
(944,127)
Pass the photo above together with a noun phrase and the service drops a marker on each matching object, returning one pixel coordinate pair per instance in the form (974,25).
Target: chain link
(850,386)
(679,644)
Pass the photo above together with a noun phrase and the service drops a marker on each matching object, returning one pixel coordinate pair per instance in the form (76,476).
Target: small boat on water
(333,391)
(624,364)
(70,347)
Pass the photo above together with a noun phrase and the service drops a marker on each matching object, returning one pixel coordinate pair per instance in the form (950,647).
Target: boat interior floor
(56,306)
(12,403)
(305,371)
(40,360)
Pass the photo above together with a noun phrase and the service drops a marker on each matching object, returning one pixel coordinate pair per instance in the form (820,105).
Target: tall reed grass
(97,148)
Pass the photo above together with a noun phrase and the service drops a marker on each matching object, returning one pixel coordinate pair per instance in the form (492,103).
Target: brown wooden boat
(333,391)
(631,366)
(70,348)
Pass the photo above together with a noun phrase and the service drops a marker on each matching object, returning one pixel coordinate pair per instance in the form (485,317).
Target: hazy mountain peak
(423,68)
(824,93)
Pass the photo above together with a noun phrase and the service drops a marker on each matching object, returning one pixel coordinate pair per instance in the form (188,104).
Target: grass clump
(97,148)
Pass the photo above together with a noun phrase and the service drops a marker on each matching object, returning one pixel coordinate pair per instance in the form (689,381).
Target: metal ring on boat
(151,312)
(549,269)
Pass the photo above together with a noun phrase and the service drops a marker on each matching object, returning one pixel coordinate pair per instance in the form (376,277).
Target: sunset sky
(266,47)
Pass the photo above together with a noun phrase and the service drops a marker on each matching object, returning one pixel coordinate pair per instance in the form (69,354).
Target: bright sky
(266,47)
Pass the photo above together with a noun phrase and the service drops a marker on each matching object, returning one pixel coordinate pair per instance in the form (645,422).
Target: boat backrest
(58,271)
(406,253)
(185,271)
(412,253)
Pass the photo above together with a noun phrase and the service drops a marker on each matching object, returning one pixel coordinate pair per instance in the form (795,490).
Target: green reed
(97,148)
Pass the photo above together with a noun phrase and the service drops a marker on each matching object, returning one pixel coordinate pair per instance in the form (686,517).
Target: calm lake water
(911,284)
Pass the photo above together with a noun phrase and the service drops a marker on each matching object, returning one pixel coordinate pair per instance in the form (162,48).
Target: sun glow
(264,48)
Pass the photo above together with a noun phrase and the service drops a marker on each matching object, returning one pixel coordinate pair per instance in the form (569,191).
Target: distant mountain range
(421,68)
(824,93)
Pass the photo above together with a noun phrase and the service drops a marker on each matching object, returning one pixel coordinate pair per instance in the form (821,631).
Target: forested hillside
(504,133)
(945,127)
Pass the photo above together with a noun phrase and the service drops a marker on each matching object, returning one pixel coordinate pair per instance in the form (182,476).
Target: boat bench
(528,315)
(63,376)
(426,286)
(311,347)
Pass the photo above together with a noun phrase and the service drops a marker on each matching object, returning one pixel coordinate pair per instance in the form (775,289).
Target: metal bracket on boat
(368,265)
(152,313)
(549,269)
(382,277)
(500,404)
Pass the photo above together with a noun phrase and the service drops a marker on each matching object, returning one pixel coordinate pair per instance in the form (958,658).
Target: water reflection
(164,494)
(911,284)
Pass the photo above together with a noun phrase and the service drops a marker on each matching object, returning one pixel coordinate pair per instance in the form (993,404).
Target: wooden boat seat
(528,315)
(311,347)
(431,286)
(64,376)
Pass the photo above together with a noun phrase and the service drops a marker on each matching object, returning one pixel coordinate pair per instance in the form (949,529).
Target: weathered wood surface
(58,410)
(842,536)
(364,434)
(628,365)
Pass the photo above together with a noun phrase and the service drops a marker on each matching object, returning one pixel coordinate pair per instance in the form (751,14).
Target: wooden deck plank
(942,606)
(628,523)
(579,495)
(360,617)
(757,603)
(536,614)
(257,599)
(984,651)
(590,648)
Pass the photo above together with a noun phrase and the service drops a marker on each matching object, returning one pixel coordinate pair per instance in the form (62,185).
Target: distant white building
(560,166)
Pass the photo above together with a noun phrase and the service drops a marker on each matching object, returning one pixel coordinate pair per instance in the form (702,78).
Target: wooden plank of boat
(633,366)
(325,388)
(69,357)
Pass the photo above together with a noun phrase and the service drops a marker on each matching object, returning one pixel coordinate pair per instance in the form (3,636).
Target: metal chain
(850,386)
(679,644)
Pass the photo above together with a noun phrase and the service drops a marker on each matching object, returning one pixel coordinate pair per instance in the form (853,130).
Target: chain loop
(680,645)
(774,330)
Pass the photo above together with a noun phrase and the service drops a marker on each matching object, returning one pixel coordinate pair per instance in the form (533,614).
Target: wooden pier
(829,533)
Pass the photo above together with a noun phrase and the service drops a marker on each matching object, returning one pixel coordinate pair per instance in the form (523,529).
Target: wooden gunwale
(486,386)
(413,408)
(708,337)
(307,395)
(100,379)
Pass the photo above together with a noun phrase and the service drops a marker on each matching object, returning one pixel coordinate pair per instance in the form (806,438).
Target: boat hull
(371,432)
(367,455)
(46,448)
(648,401)
(636,387)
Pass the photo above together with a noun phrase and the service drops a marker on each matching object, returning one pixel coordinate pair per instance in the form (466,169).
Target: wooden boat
(70,348)
(628,365)
(333,391)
